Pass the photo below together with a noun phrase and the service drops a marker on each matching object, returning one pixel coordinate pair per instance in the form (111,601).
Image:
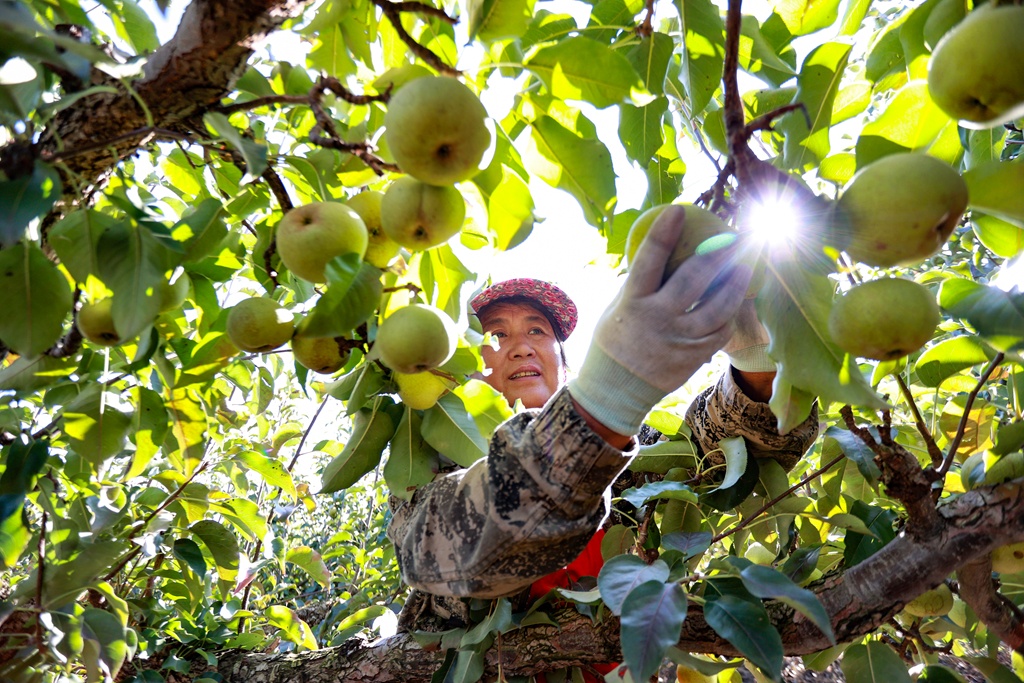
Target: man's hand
(656,334)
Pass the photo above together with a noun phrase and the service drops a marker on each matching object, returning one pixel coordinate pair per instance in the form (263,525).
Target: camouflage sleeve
(525,510)
(723,410)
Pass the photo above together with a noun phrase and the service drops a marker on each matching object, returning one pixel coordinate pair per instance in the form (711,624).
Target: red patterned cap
(550,298)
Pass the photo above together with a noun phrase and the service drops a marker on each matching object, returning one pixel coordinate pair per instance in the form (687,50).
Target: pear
(933,603)
(884,319)
(415,339)
(311,235)
(698,226)
(319,354)
(420,390)
(96,322)
(259,324)
(943,17)
(420,216)
(900,209)
(381,249)
(436,129)
(173,294)
(1008,559)
(976,72)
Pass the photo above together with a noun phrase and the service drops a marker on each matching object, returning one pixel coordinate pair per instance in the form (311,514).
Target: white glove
(655,335)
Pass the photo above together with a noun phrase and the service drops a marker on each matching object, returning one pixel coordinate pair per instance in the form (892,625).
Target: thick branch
(1000,615)
(857,601)
(186,76)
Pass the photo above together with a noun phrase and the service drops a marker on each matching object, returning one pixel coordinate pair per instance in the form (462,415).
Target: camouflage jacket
(530,507)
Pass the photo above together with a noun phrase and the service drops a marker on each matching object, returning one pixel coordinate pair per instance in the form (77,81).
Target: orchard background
(159,510)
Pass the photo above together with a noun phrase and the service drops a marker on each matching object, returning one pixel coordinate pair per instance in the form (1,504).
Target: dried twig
(922,428)
(393,10)
(646,28)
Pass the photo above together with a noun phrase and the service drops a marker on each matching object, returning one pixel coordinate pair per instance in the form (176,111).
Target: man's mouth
(524,373)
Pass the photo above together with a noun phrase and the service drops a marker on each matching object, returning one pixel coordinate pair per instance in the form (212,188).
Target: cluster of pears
(436,129)
(260,324)
(413,342)
(976,72)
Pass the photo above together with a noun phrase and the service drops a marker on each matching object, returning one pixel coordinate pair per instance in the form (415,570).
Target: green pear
(884,319)
(415,339)
(976,72)
(381,249)
(1008,559)
(319,354)
(173,294)
(420,216)
(420,390)
(311,235)
(259,324)
(933,603)
(699,225)
(437,130)
(96,322)
(900,209)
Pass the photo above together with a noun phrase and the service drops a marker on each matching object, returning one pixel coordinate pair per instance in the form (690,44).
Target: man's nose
(521,348)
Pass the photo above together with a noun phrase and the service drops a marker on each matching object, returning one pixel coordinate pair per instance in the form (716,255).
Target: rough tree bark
(857,600)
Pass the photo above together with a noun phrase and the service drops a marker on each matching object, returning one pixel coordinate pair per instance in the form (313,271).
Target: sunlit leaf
(310,561)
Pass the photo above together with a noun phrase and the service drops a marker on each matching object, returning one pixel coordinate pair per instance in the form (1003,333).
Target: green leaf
(910,122)
(491,20)
(726,498)
(222,546)
(545,27)
(14,537)
(411,461)
(769,584)
(271,469)
(486,404)
(255,155)
(936,673)
(95,428)
(135,25)
(998,316)
(746,625)
(622,573)
(650,57)
(794,306)
(450,429)
(188,431)
(854,16)
(578,68)
(38,300)
(133,263)
(995,188)
(293,629)
(24,375)
(105,643)
(202,230)
(803,17)
(992,670)
(758,57)
(371,431)
(582,167)
(310,561)
(22,462)
(149,428)
(873,662)
(704,51)
(664,177)
(75,237)
(948,358)
(613,14)
(857,451)
(860,547)
(510,210)
(663,456)
(189,552)
(690,544)
(734,448)
(652,616)
(24,199)
(641,128)
(817,88)
(671,490)
(1003,238)
(443,276)
(353,293)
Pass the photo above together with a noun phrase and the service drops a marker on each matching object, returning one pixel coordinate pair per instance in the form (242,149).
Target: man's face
(527,364)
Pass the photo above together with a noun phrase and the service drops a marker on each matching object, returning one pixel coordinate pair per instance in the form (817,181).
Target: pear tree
(195,486)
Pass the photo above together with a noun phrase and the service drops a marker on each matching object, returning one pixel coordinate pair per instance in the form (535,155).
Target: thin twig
(774,501)
(922,428)
(423,8)
(361,150)
(646,27)
(392,11)
(765,121)
(228,109)
(278,188)
(309,428)
(41,548)
(965,418)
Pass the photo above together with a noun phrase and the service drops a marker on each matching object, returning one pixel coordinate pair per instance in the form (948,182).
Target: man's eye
(537,330)
(498,335)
